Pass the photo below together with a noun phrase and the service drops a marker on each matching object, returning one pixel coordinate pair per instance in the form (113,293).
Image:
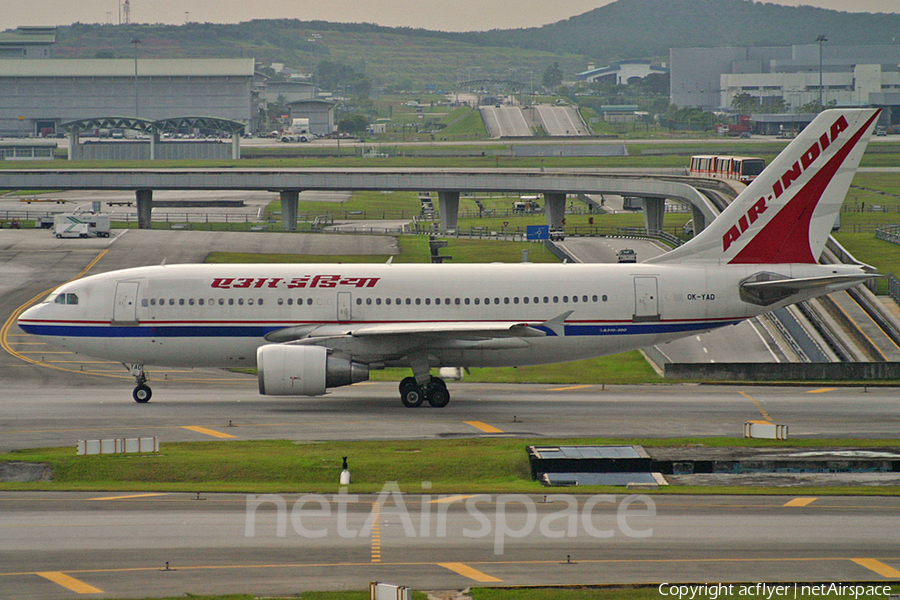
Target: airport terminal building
(710,78)
(36,96)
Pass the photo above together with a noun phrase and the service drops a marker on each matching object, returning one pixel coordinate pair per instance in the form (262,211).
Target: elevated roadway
(449,183)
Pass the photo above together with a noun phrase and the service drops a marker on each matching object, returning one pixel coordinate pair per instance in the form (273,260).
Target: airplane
(311,327)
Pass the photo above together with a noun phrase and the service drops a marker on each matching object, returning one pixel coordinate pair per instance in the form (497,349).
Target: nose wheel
(142,391)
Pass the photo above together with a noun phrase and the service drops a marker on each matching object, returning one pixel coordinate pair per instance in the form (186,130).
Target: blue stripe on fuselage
(258,331)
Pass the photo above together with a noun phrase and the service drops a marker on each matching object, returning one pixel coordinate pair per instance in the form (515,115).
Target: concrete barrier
(867,371)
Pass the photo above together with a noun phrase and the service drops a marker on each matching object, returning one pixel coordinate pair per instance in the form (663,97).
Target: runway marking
(449,499)
(483,427)
(376,532)
(820,390)
(762,411)
(70,583)
(572,387)
(205,431)
(467,571)
(129,497)
(877,566)
(801,502)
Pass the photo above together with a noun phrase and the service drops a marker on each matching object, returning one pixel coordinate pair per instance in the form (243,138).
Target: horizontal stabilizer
(766,292)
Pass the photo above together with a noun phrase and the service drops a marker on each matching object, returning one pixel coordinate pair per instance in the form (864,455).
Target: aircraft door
(646,299)
(125,304)
(344,307)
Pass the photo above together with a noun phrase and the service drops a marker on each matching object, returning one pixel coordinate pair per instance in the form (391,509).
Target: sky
(446,15)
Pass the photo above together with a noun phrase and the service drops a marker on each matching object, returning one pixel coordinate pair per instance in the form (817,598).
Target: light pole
(821,40)
(135,41)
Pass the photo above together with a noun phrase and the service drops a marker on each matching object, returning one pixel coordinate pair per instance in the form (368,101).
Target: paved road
(54,545)
(505,121)
(561,121)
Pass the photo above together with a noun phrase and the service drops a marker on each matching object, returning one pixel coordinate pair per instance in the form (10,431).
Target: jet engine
(286,370)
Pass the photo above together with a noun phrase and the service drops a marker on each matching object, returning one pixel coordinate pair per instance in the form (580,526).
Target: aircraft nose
(27,321)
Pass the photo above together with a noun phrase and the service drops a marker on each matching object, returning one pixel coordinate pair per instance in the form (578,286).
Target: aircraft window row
(478,301)
(201,302)
(290,301)
(66,299)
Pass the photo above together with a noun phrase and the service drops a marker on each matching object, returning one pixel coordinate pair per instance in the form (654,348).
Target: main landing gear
(435,392)
(142,391)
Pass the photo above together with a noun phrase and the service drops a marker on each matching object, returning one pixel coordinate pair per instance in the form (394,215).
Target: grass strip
(459,465)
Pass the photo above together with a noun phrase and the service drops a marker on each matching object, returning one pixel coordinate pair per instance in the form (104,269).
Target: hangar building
(38,95)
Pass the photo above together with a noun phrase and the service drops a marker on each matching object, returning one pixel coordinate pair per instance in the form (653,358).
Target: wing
(381,341)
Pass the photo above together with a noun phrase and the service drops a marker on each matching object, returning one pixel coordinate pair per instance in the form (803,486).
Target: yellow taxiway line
(483,427)
(70,583)
(211,432)
(467,571)
(801,502)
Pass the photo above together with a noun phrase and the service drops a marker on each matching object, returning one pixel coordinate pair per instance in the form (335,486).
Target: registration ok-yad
(310,327)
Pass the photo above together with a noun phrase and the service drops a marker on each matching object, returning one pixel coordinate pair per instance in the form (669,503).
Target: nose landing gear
(142,391)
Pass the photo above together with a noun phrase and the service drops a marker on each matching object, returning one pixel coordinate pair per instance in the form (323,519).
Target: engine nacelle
(285,370)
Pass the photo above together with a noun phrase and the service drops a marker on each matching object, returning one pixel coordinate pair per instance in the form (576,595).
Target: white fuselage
(218,315)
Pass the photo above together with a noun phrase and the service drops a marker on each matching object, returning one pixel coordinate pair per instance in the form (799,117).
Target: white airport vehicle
(297,132)
(311,327)
(82,225)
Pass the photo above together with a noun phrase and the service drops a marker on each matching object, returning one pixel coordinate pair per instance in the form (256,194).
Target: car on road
(626,255)
(557,235)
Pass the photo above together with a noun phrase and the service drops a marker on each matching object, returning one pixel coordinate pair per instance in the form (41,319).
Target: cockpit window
(66,299)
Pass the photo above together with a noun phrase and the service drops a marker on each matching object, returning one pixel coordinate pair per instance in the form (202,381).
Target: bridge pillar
(699,219)
(74,146)
(144,207)
(235,146)
(448,204)
(654,211)
(556,209)
(154,140)
(290,200)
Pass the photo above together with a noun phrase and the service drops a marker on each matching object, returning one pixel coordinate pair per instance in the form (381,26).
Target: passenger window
(144,302)
(240,301)
(456,301)
(387,301)
(418,301)
(584,298)
(359,301)
(525,299)
(171,301)
(546,300)
(250,301)
(280,301)
(369,301)
(477,301)
(428,301)
(604,297)
(565,298)
(594,297)
(181,302)
(152,301)
(555,299)
(260,301)
(221,301)
(407,301)
(516,300)
(309,301)
(574,298)
(437,301)
(496,300)
(378,301)
(466,301)
(231,302)
(446,300)
(487,300)
(506,301)
(191,301)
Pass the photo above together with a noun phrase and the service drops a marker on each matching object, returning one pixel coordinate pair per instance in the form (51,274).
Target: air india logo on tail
(784,182)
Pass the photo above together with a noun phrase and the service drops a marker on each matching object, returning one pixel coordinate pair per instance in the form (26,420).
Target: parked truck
(297,132)
(83,225)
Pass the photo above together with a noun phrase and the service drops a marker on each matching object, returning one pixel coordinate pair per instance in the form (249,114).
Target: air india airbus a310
(310,327)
